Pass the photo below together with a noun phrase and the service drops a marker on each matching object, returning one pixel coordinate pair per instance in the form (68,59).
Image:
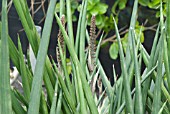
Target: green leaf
(79,26)
(102,8)
(33,38)
(40,64)
(62,7)
(114,7)
(74,4)
(154,4)
(94,11)
(93,1)
(99,19)
(142,38)
(128,98)
(125,43)
(0,48)
(69,68)
(132,25)
(24,74)
(105,81)
(82,37)
(58,109)
(74,18)
(53,106)
(146,84)
(90,6)
(168,36)
(113,51)
(57,7)
(161,110)
(16,105)
(138,93)
(122,4)
(157,89)
(69,21)
(68,97)
(144,2)
(5,88)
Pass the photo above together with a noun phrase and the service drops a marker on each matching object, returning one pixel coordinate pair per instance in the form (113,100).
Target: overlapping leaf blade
(5,92)
(40,64)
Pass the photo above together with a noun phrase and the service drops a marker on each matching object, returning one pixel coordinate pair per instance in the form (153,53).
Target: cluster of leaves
(154,4)
(73,95)
(151,3)
(100,10)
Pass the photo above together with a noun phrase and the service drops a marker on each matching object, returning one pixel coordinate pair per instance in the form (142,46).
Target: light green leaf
(24,74)
(99,19)
(74,4)
(144,2)
(142,38)
(114,6)
(69,68)
(168,37)
(94,11)
(122,4)
(57,7)
(93,1)
(102,8)
(113,51)
(125,43)
(90,6)
(154,4)
(40,64)
(5,89)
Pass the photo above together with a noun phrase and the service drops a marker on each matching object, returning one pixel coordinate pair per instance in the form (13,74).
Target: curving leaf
(122,4)
(114,7)
(154,4)
(144,2)
(57,7)
(90,6)
(94,11)
(93,1)
(102,8)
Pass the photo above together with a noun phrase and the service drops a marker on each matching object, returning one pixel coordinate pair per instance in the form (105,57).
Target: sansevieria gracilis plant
(78,84)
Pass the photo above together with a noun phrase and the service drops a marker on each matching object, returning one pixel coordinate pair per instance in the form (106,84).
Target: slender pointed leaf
(82,37)
(25,82)
(138,93)
(58,109)
(128,98)
(5,90)
(69,20)
(53,106)
(168,37)
(40,64)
